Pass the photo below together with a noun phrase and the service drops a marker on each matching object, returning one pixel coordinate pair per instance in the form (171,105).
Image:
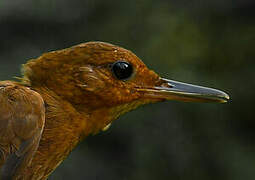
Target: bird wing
(22,117)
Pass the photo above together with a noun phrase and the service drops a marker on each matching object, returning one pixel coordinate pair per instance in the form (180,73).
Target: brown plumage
(68,94)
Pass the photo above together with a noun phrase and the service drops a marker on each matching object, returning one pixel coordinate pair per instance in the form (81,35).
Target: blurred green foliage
(210,43)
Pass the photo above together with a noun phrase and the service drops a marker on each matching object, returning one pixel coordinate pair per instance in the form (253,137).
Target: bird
(65,95)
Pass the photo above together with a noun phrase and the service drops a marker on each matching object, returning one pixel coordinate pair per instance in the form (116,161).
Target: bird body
(68,94)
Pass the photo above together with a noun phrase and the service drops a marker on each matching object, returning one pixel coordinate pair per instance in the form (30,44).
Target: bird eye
(122,70)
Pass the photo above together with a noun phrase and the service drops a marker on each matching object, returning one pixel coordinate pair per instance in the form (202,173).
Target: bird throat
(65,127)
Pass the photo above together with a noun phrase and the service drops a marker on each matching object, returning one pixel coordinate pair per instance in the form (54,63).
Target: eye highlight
(122,70)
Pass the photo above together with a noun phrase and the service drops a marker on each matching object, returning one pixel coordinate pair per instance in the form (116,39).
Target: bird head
(98,75)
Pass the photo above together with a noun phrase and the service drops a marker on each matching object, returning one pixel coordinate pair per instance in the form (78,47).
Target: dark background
(205,42)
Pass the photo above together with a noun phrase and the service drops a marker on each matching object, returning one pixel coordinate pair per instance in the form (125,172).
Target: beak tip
(225,98)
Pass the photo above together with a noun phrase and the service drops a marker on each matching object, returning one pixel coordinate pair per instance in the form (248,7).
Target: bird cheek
(92,83)
(113,96)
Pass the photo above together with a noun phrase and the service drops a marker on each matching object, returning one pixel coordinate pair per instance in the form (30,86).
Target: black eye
(122,70)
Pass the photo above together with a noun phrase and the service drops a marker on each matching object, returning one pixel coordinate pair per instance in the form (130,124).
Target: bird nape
(66,95)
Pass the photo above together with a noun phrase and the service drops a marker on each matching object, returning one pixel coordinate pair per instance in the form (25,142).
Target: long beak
(173,90)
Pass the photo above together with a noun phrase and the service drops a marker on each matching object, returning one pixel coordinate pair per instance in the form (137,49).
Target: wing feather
(22,117)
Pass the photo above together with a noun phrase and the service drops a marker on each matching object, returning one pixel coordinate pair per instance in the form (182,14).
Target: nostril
(167,85)
(164,83)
